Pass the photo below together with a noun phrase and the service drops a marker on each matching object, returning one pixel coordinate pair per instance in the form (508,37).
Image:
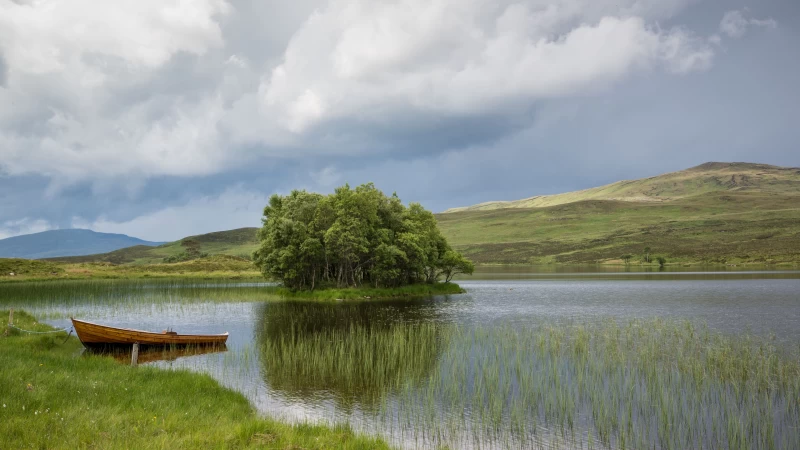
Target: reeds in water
(634,384)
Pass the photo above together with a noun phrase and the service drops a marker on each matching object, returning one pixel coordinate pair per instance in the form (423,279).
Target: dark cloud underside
(161,128)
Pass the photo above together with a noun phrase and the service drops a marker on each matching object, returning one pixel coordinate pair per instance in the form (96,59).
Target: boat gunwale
(153,333)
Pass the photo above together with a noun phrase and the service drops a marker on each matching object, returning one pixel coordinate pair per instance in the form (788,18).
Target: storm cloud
(161,119)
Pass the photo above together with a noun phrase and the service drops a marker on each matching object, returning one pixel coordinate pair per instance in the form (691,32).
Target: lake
(527,358)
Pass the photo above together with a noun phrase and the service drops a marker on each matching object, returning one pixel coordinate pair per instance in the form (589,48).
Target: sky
(167,118)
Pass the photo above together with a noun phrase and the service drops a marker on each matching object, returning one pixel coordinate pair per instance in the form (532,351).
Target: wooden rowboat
(95,335)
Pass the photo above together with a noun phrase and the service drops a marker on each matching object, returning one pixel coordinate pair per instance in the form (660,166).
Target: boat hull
(98,336)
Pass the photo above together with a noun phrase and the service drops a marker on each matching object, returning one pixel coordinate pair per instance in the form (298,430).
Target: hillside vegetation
(239,242)
(17,267)
(719,213)
(214,266)
(704,179)
(713,213)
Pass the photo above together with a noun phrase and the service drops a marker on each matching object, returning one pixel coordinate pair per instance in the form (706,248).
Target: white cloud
(234,208)
(302,112)
(735,24)
(682,52)
(83,77)
(183,141)
(23,226)
(68,64)
(50,35)
(327,178)
(368,60)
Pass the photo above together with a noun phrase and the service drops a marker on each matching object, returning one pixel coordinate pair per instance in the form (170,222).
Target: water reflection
(149,355)
(353,353)
(512,363)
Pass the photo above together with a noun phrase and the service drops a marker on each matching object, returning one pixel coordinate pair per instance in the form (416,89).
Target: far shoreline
(221,268)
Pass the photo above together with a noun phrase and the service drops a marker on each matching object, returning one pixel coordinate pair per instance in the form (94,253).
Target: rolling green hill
(239,242)
(713,213)
(719,213)
(706,178)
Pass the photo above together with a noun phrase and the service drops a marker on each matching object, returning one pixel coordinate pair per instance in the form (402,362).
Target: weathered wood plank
(135,354)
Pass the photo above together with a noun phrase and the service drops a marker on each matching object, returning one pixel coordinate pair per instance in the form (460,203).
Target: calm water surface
(308,361)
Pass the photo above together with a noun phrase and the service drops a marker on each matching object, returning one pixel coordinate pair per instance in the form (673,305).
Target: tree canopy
(350,238)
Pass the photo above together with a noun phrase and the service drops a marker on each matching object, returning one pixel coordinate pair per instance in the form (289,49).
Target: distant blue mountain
(72,242)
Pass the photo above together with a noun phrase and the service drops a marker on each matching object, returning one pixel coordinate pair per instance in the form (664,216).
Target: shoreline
(216,270)
(53,399)
(254,277)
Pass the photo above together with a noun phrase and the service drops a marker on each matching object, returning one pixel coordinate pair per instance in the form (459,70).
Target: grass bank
(414,290)
(50,397)
(216,267)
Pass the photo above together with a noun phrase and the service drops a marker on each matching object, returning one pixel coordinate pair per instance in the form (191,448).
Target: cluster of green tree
(353,237)
(191,251)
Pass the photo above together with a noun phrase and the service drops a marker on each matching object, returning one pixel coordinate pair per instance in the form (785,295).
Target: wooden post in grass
(135,354)
(10,321)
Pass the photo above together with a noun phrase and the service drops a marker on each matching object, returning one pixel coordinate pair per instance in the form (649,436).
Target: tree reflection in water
(355,353)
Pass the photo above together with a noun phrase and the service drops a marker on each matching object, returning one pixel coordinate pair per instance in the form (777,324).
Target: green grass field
(737,227)
(53,397)
(210,267)
(716,213)
(703,179)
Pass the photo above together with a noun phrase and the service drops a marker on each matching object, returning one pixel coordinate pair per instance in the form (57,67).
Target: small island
(355,243)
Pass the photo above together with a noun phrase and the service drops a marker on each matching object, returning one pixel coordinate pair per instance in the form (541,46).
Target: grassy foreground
(50,397)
